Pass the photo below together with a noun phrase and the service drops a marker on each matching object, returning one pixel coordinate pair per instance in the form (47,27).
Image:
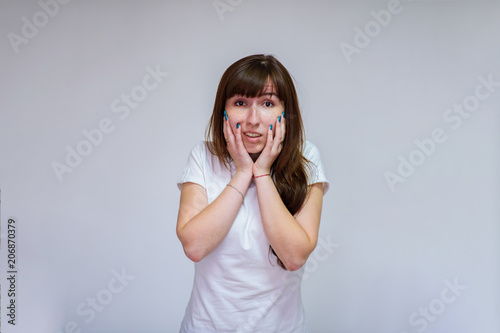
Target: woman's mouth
(252,137)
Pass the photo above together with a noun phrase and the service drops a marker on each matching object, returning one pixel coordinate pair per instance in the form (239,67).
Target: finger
(238,135)
(277,135)
(283,127)
(228,135)
(270,138)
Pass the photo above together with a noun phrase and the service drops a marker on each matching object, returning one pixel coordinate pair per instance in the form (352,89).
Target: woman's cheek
(234,122)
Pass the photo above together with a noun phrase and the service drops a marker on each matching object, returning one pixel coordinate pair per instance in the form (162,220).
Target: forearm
(288,238)
(206,230)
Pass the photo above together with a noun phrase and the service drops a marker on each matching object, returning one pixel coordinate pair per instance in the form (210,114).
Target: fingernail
(225,114)
(238,125)
(283,114)
(225,117)
(279,119)
(271,126)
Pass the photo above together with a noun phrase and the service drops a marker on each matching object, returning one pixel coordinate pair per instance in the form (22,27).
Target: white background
(116,211)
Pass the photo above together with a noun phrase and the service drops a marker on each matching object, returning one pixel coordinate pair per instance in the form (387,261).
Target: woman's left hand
(272,149)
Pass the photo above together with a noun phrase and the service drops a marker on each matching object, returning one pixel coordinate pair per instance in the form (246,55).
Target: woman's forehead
(268,89)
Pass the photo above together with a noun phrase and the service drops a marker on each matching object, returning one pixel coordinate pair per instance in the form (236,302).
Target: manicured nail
(279,119)
(225,117)
(271,126)
(283,114)
(238,125)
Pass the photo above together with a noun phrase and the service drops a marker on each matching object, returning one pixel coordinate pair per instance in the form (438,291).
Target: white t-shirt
(239,287)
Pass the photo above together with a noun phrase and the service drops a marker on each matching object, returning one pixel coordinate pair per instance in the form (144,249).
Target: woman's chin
(253,149)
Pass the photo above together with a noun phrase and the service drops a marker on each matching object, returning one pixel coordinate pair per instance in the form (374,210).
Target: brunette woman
(250,205)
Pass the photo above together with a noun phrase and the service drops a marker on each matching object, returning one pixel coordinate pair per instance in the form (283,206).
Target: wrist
(261,173)
(244,174)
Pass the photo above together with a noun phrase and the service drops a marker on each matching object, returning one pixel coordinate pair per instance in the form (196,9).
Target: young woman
(250,206)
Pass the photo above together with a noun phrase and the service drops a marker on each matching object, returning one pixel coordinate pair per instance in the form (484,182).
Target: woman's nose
(253,115)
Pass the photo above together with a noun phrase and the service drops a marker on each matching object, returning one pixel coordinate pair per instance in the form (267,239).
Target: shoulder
(311,152)
(199,150)
(197,156)
(205,159)
(200,147)
(316,172)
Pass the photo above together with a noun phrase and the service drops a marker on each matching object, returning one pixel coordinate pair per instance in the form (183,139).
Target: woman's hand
(236,149)
(272,149)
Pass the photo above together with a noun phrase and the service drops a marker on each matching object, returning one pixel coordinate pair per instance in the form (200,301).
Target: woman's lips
(252,136)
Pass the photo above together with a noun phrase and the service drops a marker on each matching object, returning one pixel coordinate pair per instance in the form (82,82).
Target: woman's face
(255,115)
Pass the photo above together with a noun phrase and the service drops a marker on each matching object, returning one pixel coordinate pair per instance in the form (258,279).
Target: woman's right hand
(237,150)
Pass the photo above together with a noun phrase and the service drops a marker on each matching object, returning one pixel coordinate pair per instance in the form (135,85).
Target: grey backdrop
(402,99)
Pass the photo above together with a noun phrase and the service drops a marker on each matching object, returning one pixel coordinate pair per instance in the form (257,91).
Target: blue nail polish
(283,114)
(279,119)
(225,115)
(238,125)
(271,126)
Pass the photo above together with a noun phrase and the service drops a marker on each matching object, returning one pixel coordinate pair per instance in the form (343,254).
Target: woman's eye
(239,103)
(268,104)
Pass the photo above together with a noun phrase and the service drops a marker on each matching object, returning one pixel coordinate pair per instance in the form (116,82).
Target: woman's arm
(293,238)
(202,227)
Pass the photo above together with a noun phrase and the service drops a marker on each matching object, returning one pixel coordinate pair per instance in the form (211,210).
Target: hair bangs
(251,81)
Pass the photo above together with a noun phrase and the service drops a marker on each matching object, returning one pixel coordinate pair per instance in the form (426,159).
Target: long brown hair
(248,77)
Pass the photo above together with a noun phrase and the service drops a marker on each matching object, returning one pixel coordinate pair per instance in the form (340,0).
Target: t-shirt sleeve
(315,171)
(193,170)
